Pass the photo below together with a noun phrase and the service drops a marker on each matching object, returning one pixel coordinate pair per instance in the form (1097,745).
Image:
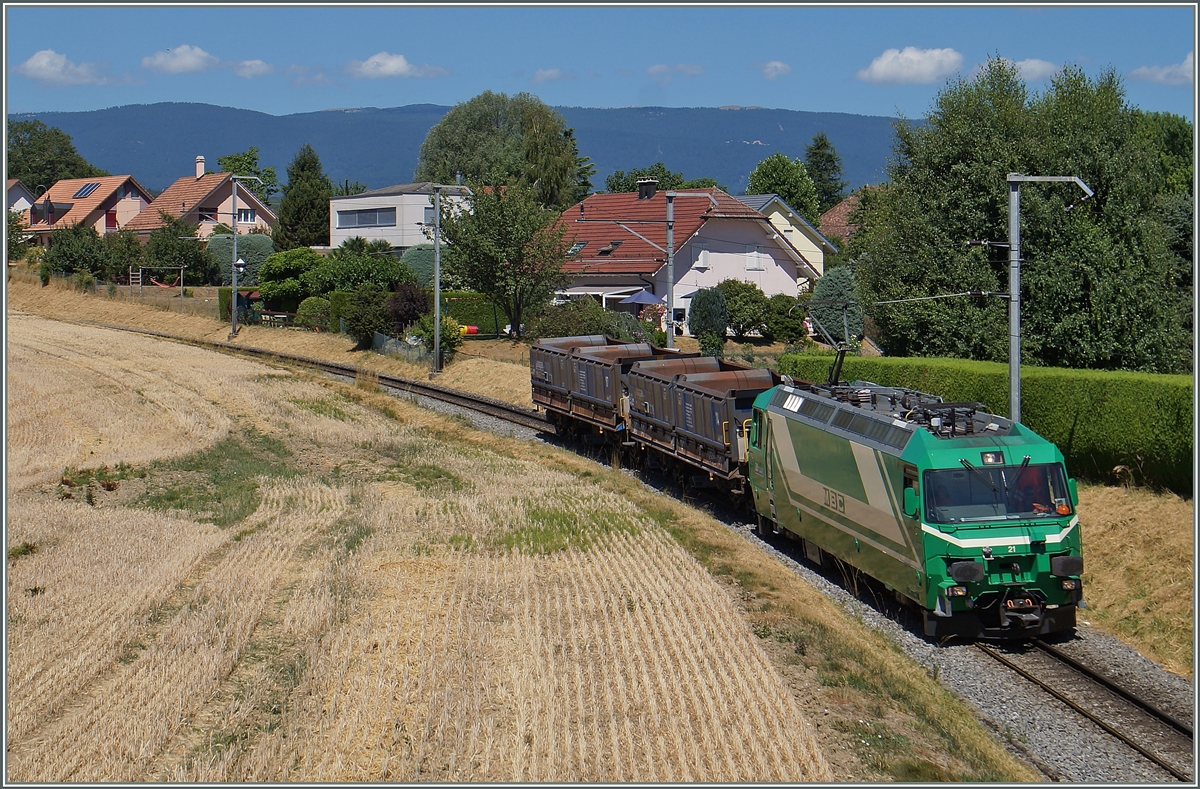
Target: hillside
(157,143)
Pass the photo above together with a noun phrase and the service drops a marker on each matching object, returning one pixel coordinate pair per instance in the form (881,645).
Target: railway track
(1155,735)
(516,414)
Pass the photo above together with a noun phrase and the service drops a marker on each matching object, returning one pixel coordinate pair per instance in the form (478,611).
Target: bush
(314,313)
(122,252)
(785,320)
(279,276)
(254,249)
(172,244)
(224,295)
(76,248)
(582,316)
(420,260)
(1100,420)
(44,271)
(366,314)
(407,305)
(349,272)
(339,302)
(450,331)
(745,307)
(84,281)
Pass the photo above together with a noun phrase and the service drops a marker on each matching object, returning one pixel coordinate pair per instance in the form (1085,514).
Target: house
(803,236)
(620,246)
(206,200)
(107,204)
(835,223)
(396,214)
(19,196)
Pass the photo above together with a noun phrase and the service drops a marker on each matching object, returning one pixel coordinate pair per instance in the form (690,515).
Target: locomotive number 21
(835,501)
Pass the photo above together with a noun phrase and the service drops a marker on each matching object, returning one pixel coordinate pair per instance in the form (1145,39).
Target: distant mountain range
(158,143)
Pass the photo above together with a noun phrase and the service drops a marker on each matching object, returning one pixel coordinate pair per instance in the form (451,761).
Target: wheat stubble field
(230,572)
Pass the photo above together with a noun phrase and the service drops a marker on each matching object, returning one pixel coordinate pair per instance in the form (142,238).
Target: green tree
(349,267)
(420,259)
(746,307)
(1100,289)
(708,320)
(496,138)
(824,167)
(449,333)
(246,163)
(785,319)
(835,304)
(622,181)
(254,249)
(17,239)
(406,306)
(76,248)
(366,314)
(347,188)
(174,244)
(122,251)
(304,209)
(507,246)
(41,155)
(313,312)
(279,278)
(788,178)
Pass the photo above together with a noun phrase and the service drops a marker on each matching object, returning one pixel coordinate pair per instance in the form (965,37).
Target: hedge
(474,309)
(1100,420)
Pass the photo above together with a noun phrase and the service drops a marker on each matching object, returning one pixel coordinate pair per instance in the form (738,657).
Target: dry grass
(408,606)
(1138,548)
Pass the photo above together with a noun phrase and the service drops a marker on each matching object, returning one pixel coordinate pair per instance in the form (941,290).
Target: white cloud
(1180,74)
(385,64)
(549,75)
(664,74)
(911,65)
(54,69)
(183,59)
(776,68)
(1036,70)
(253,68)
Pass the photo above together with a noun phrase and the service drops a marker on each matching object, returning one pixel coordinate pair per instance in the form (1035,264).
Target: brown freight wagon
(696,410)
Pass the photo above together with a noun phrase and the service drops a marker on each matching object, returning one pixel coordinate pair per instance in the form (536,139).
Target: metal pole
(437,281)
(233,263)
(1014,301)
(670,269)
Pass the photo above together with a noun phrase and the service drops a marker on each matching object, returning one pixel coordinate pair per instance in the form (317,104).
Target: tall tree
(246,163)
(788,178)
(41,155)
(825,169)
(507,246)
(174,244)
(497,138)
(304,210)
(1099,289)
(348,187)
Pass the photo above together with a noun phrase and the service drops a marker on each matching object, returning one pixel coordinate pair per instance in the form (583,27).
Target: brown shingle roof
(180,198)
(82,208)
(605,218)
(835,223)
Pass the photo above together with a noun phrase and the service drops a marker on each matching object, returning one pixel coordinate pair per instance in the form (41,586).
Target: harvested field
(392,604)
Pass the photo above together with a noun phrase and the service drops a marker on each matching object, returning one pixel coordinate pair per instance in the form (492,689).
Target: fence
(400,349)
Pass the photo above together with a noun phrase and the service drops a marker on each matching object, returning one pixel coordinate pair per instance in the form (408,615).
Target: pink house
(205,199)
(107,204)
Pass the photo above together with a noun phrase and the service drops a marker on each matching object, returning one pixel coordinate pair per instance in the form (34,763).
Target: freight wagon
(965,515)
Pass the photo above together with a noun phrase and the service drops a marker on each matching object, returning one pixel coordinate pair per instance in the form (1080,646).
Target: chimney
(647,187)
(199,166)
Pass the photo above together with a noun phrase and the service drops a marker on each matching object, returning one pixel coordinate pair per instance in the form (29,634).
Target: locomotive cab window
(1010,492)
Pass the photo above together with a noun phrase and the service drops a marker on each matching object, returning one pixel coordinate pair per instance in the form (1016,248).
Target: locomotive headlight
(956,591)
(1070,584)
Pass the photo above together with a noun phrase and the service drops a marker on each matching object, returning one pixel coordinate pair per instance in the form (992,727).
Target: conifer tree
(304,210)
(825,169)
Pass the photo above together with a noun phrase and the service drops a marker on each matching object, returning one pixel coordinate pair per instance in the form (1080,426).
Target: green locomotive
(968,515)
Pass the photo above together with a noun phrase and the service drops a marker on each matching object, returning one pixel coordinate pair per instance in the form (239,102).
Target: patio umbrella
(643,296)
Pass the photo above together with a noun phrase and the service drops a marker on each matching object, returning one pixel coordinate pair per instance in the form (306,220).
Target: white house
(794,227)
(19,196)
(620,247)
(396,214)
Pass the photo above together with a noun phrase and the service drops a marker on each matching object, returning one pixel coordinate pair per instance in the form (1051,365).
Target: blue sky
(866,60)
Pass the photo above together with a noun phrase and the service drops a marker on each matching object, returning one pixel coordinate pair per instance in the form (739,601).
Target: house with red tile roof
(206,200)
(19,196)
(620,247)
(107,204)
(835,223)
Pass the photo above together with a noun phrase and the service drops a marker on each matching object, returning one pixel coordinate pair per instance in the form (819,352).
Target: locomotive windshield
(979,493)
